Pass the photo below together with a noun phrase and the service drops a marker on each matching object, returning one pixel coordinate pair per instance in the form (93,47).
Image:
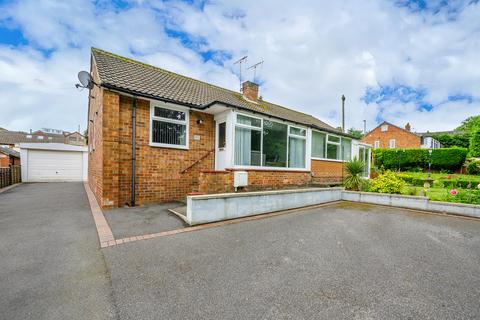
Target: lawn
(465,185)
(437,176)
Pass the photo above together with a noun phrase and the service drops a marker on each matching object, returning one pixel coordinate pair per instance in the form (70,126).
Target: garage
(53,162)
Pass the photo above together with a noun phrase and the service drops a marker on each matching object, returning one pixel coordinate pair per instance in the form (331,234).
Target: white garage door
(46,165)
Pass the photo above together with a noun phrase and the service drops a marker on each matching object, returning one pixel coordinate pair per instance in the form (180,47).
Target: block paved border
(105,235)
(213,225)
(107,239)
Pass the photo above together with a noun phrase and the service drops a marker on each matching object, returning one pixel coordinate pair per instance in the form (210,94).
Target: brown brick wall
(325,172)
(222,181)
(159,176)
(4,161)
(95,135)
(404,139)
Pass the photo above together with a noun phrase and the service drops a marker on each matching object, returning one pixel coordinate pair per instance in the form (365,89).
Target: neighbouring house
(156,136)
(14,138)
(9,157)
(75,138)
(390,136)
(428,140)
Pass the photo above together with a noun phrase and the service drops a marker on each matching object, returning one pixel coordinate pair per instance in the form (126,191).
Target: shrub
(457,139)
(404,159)
(448,158)
(475,141)
(387,182)
(473,168)
(354,180)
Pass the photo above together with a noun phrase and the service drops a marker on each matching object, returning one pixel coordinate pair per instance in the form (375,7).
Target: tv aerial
(86,80)
(254,67)
(239,62)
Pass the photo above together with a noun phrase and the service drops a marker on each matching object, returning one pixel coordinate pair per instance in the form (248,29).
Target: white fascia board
(53,147)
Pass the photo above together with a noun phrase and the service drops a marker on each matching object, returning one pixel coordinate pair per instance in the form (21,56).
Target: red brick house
(387,135)
(156,136)
(9,157)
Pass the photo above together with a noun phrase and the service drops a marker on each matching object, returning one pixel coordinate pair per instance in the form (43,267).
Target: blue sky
(401,60)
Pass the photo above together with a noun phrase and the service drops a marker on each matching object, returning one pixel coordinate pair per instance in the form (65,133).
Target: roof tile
(127,74)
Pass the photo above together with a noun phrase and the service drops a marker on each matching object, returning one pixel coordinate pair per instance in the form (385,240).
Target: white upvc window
(168,126)
(384,128)
(392,144)
(268,143)
(376,144)
(331,147)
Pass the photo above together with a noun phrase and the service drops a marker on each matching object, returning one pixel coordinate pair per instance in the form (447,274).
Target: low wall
(217,207)
(412,202)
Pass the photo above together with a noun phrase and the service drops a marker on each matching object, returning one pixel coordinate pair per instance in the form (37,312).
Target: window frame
(185,122)
(376,144)
(331,142)
(262,167)
(394,144)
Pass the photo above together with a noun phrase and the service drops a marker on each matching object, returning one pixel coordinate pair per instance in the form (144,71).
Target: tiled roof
(14,137)
(10,152)
(125,74)
(432,133)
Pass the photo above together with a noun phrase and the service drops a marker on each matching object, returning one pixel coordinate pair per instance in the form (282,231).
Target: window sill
(324,159)
(255,168)
(169,146)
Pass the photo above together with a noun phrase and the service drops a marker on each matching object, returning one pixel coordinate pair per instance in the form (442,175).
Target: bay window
(169,127)
(267,143)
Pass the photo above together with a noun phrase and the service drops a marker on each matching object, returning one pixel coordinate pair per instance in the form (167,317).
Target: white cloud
(313,52)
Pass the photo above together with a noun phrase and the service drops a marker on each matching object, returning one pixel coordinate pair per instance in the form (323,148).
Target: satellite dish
(85,79)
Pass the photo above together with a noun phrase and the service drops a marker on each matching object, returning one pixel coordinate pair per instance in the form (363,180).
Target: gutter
(208,105)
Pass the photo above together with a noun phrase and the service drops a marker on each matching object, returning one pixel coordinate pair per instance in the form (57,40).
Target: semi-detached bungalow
(156,136)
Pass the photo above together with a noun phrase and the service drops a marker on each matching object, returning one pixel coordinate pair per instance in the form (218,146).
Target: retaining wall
(217,207)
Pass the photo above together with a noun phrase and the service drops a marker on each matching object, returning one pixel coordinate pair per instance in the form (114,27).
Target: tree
(461,140)
(357,134)
(475,141)
(468,124)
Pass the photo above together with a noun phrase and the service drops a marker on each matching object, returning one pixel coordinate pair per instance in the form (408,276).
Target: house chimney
(250,90)
(407,127)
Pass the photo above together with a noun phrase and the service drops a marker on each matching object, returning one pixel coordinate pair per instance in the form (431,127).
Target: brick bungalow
(163,135)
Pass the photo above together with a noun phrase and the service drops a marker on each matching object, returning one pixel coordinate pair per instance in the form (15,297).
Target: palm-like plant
(354,170)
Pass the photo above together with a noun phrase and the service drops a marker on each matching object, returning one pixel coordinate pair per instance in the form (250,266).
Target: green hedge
(404,159)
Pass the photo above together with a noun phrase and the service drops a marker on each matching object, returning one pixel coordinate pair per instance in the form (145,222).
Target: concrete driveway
(343,261)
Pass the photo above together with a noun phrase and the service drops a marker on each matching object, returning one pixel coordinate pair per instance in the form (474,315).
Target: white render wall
(218,207)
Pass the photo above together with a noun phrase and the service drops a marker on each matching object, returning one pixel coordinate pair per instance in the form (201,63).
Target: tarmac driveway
(342,261)
(51,266)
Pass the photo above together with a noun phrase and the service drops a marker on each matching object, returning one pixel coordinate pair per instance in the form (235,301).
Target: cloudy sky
(414,61)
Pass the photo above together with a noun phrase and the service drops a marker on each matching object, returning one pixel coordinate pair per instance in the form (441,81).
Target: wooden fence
(10,175)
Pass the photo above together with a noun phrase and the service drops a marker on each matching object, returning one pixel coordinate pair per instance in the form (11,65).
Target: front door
(221,144)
